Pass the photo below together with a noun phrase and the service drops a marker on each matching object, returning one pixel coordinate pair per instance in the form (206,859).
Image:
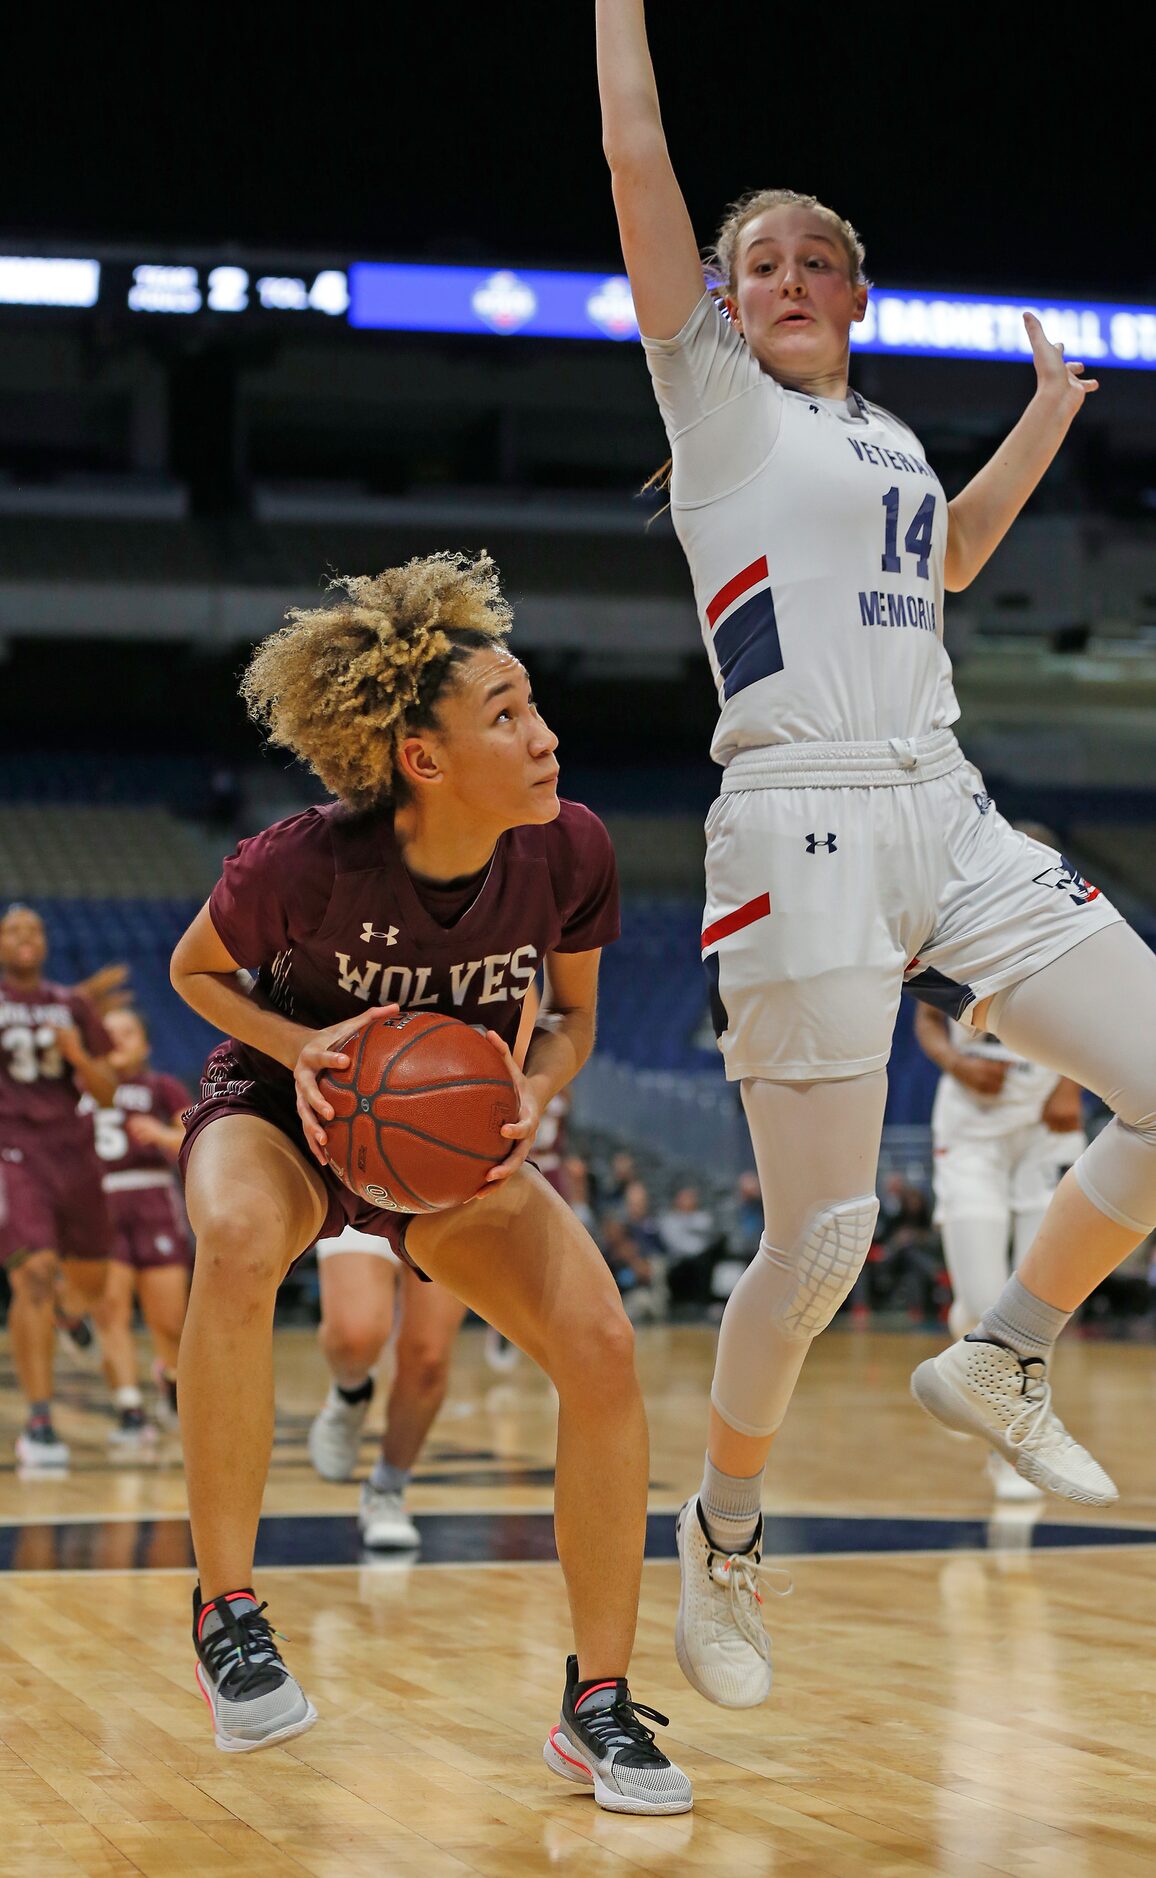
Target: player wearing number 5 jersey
(53,1220)
(137,1139)
(852,846)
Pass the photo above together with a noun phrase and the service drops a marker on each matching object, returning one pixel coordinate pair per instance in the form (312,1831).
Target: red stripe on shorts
(734,922)
(738,584)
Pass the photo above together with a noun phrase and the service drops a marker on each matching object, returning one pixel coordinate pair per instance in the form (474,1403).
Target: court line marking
(496,1564)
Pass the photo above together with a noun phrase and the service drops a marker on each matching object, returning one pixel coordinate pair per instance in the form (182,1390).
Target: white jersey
(815,533)
(960,1114)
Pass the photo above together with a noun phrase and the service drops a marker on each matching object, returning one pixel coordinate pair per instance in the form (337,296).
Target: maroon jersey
(150,1093)
(324,908)
(38,1089)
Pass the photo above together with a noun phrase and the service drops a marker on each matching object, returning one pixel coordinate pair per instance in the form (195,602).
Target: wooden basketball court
(956,1691)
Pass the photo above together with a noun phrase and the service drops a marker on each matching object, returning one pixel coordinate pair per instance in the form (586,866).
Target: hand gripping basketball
(424,1112)
(324,1051)
(522,1130)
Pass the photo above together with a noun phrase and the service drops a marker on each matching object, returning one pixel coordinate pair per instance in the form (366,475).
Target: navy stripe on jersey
(747,644)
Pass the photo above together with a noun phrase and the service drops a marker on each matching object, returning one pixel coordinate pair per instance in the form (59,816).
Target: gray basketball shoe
(600,1743)
(253,1699)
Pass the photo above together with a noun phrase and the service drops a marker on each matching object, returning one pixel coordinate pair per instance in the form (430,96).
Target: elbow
(634,151)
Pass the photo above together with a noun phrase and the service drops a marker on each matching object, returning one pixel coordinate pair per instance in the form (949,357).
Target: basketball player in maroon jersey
(53,1220)
(445,873)
(366,1290)
(138,1137)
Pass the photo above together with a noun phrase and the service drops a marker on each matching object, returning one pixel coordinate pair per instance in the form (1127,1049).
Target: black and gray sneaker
(254,1700)
(601,1743)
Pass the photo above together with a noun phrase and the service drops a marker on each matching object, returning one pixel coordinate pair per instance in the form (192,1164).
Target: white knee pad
(780,1304)
(814,1278)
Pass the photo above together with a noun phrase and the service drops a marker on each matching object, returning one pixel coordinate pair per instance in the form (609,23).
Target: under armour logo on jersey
(815,842)
(368,932)
(1066,878)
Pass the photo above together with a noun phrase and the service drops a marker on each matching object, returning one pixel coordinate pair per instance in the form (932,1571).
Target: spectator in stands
(639,1221)
(742,1219)
(624,1255)
(633,1250)
(686,1228)
(692,1242)
(911,1271)
(578,1178)
(622,1172)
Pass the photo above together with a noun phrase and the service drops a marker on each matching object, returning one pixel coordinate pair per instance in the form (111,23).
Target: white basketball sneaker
(1008,1485)
(383,1521)
(335,1435)
(722,1648)
(985,1389)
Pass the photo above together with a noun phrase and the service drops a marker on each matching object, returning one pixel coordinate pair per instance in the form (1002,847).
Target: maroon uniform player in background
(53,1219)
(445,874)
(138,1138)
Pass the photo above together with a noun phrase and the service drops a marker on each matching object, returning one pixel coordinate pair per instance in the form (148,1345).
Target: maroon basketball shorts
(51,1200)
(148,1225)
(227,1089)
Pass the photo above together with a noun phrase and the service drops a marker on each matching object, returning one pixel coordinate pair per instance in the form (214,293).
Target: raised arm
(658,243)
(981,514)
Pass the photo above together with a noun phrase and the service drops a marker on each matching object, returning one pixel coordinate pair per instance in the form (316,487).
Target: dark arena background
(314,296)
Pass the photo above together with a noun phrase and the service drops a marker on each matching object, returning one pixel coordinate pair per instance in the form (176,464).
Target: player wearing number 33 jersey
(50,1185)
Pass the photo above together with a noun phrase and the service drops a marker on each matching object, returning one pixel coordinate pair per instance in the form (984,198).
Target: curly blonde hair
(722,257)
(339,685)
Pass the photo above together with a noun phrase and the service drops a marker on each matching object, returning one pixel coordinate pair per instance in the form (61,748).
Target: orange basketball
(417,1116)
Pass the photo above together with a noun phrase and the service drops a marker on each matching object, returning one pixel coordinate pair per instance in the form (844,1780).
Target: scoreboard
(510,303)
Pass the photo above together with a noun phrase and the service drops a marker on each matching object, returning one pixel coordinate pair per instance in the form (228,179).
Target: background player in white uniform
(364,1288)
(1004,1133)
(852,845)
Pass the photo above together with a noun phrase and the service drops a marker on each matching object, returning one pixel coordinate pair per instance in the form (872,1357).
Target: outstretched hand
(1056,376)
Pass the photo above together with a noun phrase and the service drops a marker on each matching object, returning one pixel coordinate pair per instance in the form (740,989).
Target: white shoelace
(1035,1420)
(738,1573)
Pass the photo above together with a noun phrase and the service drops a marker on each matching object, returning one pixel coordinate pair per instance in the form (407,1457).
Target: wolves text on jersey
(504,976)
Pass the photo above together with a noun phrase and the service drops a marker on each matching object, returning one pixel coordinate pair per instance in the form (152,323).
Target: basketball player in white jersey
(852,844)
(1004,1132)
(365,1290)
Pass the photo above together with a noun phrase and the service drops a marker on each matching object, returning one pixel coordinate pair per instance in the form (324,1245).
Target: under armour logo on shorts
(814,843)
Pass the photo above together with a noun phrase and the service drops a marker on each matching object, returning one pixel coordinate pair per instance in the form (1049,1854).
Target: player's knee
(35,1279)
(239,1250)
(425,1370)
(808,1284)
(353,1344)
(1135,1108)
(597,1352)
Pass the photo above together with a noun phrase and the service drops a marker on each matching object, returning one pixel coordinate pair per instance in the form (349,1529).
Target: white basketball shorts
(1001,1174)
(836,873)
(353,1241)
